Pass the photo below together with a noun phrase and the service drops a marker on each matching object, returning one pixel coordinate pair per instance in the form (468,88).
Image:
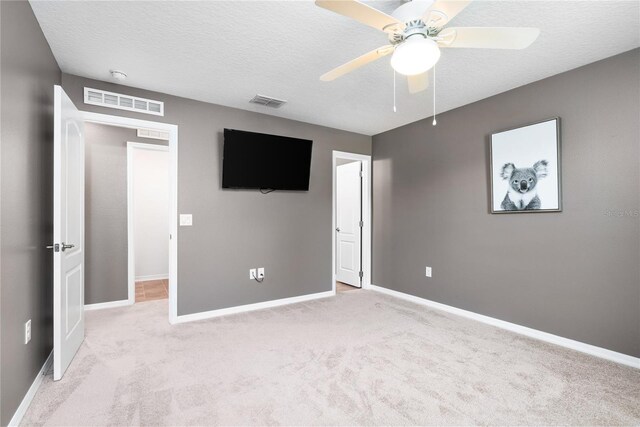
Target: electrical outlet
(186,220)
(27,331)
(428,271)
(261,273)
(252,274)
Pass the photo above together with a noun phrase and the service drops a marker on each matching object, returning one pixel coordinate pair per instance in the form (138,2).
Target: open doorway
(351,221)
(148,220)
(148,152)
(126,216)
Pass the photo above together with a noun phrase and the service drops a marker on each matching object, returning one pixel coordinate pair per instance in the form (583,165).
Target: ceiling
(225,52)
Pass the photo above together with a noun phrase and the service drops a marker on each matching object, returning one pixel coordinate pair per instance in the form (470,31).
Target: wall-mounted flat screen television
(266,162)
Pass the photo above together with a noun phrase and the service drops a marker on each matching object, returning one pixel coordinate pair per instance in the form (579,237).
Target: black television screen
(269,162)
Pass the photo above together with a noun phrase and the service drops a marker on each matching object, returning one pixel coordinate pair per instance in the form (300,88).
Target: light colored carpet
(358,358)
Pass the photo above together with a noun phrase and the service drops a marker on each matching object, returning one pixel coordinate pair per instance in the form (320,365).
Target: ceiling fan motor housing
(415,27)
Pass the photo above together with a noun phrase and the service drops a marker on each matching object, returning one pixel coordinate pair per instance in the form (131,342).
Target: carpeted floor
(357,358)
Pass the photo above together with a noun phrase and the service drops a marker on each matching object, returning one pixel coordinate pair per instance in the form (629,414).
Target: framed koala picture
(525,168)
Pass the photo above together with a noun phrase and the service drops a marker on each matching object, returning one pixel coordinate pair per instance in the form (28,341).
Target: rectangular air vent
(123,102)
(268,101)
(153,134)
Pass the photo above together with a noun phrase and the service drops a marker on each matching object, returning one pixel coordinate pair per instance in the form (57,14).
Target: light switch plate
(27,331)
(252,274)
(186,220)
(428,271)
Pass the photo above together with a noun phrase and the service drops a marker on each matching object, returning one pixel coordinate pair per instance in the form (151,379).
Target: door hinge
(361,174)
(361,274)
(361,224)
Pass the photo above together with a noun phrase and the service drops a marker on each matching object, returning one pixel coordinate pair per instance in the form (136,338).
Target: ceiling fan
(417,30)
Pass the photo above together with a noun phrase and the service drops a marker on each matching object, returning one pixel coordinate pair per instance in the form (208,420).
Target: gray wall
(106,211)
(29,72)
(288,233)
(576,273)
(340,162)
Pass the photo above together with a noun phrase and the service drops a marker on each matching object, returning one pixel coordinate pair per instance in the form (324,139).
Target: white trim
(110,304)
(173,221)
(366,216)
(131,241)
(131,123)
(592,350)
(26,400)
(151,277)
(147,146)
(251,307)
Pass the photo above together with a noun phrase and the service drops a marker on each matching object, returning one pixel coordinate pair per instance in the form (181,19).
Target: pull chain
(394,91)
(434,96)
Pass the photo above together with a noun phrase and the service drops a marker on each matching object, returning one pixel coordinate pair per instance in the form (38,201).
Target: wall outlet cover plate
(186,220)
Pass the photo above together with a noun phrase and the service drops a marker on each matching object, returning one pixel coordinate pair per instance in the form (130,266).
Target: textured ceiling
(225,52)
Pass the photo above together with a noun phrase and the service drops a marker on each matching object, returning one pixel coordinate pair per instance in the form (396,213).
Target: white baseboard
(110,304)
(251,307)
(151,277)
(26,401)
(603,353)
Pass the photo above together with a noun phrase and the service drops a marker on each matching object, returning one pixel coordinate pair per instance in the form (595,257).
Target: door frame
(366,215)
(131,123)
(131,241)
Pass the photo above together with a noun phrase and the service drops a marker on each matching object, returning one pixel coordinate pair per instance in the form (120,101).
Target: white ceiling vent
(268,101)
(123,102)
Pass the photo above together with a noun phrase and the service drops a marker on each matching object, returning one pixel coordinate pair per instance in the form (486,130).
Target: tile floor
(343,287)
(151,290)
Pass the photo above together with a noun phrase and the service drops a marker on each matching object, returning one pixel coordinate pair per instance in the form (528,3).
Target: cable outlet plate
(261,273)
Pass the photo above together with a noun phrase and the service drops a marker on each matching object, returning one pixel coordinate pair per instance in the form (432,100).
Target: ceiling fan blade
(443,11)
(488,38)
(418,82)
(357,63)
(362,13)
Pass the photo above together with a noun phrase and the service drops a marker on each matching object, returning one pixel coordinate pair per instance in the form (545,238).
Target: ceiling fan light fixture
(416,55)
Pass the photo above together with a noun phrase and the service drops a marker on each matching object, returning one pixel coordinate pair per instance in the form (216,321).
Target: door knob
(67,246)
(338,229)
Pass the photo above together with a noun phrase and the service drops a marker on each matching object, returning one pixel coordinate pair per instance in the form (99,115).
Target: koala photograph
(522,193)
(525,168)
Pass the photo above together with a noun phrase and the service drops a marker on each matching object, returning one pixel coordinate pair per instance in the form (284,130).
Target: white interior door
(68,232)
(348,223)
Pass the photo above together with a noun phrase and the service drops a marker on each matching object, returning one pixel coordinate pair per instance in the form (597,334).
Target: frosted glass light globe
(415,55)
